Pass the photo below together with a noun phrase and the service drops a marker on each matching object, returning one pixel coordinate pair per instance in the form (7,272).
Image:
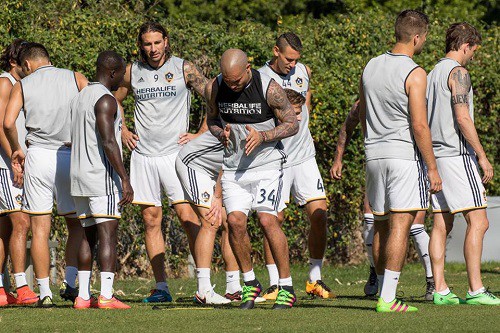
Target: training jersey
(447,140)
(20,126)
(91,172)
(248,107)
(47,94)
(388,129)
(203,154)
(300,146)
(162,104)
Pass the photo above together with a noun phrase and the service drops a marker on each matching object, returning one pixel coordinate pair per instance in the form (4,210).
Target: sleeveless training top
(162,104)
(447,140)
(203,154)
(91,172)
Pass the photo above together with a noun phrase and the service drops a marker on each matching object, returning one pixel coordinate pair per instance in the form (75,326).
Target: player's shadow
(490,271)
(357,297)
(333,306)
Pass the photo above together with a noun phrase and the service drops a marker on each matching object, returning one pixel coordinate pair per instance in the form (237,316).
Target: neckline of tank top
(268,64)
(398,54)
(159,67)
(9,74)
(43,67)
(446,58)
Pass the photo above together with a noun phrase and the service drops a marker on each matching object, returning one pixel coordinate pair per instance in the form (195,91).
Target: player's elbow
(294,127)
(420,128)
(8,126)
(463,120)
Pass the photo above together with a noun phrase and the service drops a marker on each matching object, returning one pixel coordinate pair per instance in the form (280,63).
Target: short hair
(461,33)
(294,97)
(11,53)
(109,60)
(32,51)
(410,23)
(151,26)
(289,39)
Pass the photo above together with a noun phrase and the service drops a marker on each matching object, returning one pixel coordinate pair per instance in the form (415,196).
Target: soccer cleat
(26,296)
(484,298)
(448,299)
(6,298)
(371,286)
(68,293)
(430,289)
(286,298)
(396,305)
(80,303)
(158,296)
(112,303)
(234,297)
(271,293)
(45,302)
(319,288)
(249,294)
(210,297)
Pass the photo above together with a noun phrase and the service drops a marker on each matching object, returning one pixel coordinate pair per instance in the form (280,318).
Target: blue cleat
(158,296)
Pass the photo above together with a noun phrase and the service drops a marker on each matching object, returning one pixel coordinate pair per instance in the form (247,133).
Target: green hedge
(336,48)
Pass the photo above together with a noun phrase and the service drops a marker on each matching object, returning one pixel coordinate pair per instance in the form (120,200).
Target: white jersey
(203,154)
(447,140)
(20,126)
(91,172)
(162,104)
(388,134)
(299,147)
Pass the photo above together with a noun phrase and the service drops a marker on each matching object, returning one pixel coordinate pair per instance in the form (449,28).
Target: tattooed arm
(460,86)
(213,121)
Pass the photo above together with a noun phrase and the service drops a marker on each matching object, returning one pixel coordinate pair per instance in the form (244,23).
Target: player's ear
(276,50)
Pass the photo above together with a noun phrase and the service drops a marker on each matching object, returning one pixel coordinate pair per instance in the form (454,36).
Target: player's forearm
(11,135)
(215,127)
(422,135)
(289,127)
(218,186)
(469,132)
(113,154)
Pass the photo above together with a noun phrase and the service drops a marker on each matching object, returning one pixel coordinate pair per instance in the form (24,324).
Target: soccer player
(301,175)
(99,183)
(161,84)
(248,102)
(14,224)
(394,119)
(417,230)
(459,153)
(45,96)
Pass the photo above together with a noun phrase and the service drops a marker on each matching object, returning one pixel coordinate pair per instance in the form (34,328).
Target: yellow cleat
(320,289)
(271,293)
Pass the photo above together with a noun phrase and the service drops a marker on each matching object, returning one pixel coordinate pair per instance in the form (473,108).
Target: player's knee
(187,215)
(268,221)
(236,224)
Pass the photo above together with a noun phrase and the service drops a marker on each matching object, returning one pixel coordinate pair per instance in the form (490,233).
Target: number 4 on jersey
(320,186)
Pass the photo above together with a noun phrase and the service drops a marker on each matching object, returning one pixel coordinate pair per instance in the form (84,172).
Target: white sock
(444,292)
(388,292)
(248,276)
(44,286)
(20,279)
(315,269)
(1,280)
(368,237)
(285,282)
(203,276)
(107,279)
(421,240)
(84,284)
(380,279)
(274,276)
(477,292)
(70,274)
(232,282)
(162,286)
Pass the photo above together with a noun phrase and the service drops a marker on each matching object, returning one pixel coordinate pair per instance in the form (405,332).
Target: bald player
(45,95)
(99,183)
(243,107)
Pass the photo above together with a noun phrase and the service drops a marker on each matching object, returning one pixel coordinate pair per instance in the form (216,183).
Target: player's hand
(434,180)
(336,170)
(487,169)
(17,162)
(224,136)
(127,193)
(129,138)
(254,139)
(214,215)
(186,137)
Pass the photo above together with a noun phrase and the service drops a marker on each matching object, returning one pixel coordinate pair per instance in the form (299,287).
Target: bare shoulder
(276,96)
(460,79)
(5,85)
(81,80)
(416,79)
(106,103)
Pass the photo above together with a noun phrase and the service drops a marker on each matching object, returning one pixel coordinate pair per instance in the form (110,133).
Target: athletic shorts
(198,186)
(462,186)
(11,197)
(47,178)
(396,186)
(304,182)
(151,175)
(257,190)
(95,210)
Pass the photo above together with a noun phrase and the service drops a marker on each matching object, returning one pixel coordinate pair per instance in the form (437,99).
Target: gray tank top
(91,172)
(162,104)
(47,96)
(447,140)
(389,133)
(20,126)
(300,146)
(203,154)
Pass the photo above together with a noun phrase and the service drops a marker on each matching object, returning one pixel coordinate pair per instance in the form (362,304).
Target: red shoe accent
(26,296)
(113,303)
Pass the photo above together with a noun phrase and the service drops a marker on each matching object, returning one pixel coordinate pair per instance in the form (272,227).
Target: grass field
(349,312)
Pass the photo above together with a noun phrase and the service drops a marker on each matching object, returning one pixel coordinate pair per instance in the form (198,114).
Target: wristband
(264,137)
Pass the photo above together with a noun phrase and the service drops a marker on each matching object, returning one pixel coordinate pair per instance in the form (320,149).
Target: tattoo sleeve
(194,78)
(462,83)
(213,121)
(277,100)
(345,133)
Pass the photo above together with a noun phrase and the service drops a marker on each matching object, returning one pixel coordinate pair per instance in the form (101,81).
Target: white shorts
(198,186)
(462,186)
(397,186)
(150,175)
(95,210)
(46,178)
(304,182)
(11,197)
(256,190)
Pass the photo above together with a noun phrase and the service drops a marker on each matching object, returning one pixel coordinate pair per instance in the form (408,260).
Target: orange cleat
(80,303)
(6,298)
(112,303)
(26,296)
(320,289)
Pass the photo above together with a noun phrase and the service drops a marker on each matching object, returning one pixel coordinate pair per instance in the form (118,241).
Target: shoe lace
(323,285)
(488,293)
(283,296)
(431,286)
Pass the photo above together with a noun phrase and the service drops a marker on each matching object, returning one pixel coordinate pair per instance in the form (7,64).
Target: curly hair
(11,53)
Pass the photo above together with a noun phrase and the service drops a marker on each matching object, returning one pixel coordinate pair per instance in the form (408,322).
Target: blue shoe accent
(158,296)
